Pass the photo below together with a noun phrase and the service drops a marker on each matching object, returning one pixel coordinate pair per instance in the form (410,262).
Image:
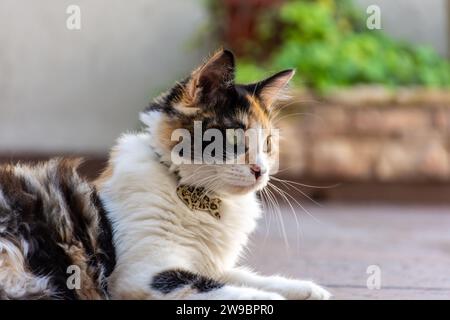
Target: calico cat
(170,243)
(178,229)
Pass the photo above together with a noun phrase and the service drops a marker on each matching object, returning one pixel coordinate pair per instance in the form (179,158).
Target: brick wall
(369,135)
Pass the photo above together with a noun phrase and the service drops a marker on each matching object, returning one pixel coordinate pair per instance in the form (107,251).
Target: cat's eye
(234,137)
(268,144)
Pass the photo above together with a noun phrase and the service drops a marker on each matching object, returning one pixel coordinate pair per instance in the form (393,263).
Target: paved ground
(410,244)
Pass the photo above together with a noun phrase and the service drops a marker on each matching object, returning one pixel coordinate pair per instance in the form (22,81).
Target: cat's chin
(242,190)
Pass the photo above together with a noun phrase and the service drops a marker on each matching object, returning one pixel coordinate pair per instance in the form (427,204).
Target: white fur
(14,279)
(154,231)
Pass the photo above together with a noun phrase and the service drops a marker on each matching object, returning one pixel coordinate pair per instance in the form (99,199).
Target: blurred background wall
(422,22)
(76,91)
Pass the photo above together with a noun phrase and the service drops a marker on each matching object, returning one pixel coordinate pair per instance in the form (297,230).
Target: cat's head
(204,106)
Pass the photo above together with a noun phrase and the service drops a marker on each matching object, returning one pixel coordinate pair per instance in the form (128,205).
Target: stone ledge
(378,95)
(385,141)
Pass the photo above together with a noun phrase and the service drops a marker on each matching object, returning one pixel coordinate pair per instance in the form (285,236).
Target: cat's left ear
(215,76)
(273,88)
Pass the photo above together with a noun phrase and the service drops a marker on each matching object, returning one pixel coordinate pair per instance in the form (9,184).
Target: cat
(169,244)
(151,227)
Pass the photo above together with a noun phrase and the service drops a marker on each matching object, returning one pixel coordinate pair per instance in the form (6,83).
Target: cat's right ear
(213,77)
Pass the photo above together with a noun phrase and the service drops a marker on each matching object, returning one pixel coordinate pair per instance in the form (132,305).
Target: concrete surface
(410,244)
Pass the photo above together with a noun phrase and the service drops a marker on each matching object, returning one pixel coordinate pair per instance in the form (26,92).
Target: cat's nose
(256,170)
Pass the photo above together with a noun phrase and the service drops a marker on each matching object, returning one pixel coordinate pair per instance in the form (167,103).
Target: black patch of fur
(170,280)
(218,112)
(106,254)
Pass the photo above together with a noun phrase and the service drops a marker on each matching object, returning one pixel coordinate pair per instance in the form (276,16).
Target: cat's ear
(215,75)
(273,88)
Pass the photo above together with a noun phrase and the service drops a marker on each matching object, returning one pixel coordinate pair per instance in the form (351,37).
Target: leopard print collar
(197,198)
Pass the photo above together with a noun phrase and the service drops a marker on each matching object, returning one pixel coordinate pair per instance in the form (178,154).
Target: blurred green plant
(329,45)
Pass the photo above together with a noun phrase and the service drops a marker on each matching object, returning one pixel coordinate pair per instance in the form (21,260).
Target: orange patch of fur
(259,112)
(105,175)
(165,131)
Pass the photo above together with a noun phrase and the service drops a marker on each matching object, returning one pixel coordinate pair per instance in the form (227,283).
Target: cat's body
(51,220)
(179,228)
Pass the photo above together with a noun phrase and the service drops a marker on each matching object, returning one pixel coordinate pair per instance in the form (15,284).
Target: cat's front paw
(300,290)
(315,291)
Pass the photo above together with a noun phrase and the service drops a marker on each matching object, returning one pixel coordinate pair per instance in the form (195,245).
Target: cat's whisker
(306,185)
(298,203)
(281,193)
(289,168)
(279,109)
(200,167)
(264,209)
(268,210)
(300,191)
(280,218)
(296,114)
(205,183)
(210,186)
(292,210)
